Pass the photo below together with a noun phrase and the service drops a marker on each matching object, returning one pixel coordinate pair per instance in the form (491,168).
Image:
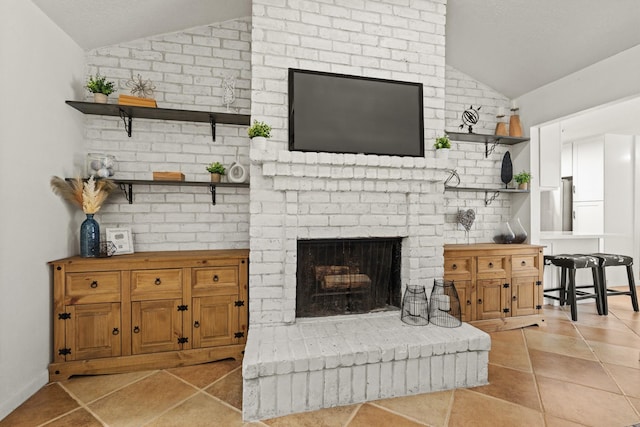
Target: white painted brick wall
(187,69)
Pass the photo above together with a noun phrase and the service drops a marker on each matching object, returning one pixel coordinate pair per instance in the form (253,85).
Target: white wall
(39,137)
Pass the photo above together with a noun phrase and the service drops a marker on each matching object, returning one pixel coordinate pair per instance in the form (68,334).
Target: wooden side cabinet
(499,286)
(148,310)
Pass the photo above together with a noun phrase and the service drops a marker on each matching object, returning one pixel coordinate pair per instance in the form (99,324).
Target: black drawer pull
(215,278)
(158,281)
(480,301)
(454,267)
(136,330)
(94,284)
(523,263)
(115,331)
(490,265)
(468,302)
(196,324)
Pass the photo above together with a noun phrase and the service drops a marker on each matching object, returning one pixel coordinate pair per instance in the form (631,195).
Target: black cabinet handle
(216,278)
(115,331)
(490,265)
(468,302)
(196,324)
(523,263)
(158,281)
(94,284)
(454,267)
(480,301)
(136,330)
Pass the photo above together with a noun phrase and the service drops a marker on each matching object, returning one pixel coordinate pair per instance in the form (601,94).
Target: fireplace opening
(347,276)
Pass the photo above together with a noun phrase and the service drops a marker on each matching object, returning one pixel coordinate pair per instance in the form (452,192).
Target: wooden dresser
(500,286)
(148,310)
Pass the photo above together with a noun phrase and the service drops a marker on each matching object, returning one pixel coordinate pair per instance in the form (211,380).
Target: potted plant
(259,132)
(100,88)
(442,146)
(216,170)
(523,179)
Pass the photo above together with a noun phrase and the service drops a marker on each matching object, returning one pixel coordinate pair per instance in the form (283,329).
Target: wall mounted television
(339,113)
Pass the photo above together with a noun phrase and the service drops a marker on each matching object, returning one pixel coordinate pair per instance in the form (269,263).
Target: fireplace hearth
(347,276)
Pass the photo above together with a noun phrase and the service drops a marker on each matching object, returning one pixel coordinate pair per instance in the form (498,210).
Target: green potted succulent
(100,87)
(442,146)
(216,169)
(523,179)
(259,132)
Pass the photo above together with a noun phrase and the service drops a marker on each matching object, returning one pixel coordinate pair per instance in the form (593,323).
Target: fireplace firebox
(347,276)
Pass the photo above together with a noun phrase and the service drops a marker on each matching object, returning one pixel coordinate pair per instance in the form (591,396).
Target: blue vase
(89,238)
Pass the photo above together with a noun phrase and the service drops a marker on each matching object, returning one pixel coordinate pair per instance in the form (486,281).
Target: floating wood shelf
(495,192)
(490,141)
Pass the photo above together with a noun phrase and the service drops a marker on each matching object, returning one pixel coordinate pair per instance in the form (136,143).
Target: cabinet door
(526,296)
(491,297)
(588,217)
(156,326)
(215,321)
(466,294)
(92,331)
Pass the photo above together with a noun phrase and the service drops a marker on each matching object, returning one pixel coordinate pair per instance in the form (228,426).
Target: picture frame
(122,238)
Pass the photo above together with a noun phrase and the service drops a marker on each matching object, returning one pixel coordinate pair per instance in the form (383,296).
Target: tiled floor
(564,374)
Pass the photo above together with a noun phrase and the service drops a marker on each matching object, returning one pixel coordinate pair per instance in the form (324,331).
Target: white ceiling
(513,46)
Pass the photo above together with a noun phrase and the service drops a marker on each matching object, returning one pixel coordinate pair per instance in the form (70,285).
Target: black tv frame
(291,95)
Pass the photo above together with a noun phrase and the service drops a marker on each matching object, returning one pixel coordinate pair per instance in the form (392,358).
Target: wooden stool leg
(601,293)
(632,288)
(572,294)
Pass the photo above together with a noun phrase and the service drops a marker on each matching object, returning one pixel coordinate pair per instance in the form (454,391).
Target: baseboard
(10,403)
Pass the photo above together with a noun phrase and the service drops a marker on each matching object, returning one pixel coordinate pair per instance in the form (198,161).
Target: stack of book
(138,102)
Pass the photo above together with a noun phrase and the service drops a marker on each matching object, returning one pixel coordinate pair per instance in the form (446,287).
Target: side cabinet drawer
(490,267)
(525,265)
(88,288)
(156,284)
(222,280)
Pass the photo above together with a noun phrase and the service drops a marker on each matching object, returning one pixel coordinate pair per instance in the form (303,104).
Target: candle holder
(415,309)
(444,309)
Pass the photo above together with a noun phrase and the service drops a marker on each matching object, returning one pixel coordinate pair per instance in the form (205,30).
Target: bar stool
(614,260)
(569,264)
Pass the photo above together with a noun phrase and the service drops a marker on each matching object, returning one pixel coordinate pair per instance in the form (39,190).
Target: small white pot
(100,98)
(442,153)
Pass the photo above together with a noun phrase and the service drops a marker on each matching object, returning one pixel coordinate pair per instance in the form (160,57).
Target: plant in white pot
(216,169)
(442,146)
(100,87)
(259,132)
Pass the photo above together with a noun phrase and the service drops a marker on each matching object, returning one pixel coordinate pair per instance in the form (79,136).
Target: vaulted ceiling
(513,46)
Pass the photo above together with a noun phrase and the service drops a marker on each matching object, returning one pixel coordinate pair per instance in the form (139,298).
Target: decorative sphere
(103,173)
(111,172)
(96,165)
(107,162)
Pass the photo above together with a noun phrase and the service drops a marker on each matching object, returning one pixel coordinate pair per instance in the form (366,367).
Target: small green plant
(216,167)
(259,129)
(99,84)
(442,142)
(523,177)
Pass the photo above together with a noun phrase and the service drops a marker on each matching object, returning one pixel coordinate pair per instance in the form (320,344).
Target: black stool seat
(615,260)
(569,263)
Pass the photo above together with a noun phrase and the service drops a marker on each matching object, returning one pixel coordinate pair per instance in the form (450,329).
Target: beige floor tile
(508,349)
(572,369)
(49,402)
(570,346)
(228,389)
(511,385)
(627,378)
(585,405)
(472,409)
(559,422)
(615,354)
(625,338)
(429,408)
(559,327)
(203,375)
(591,318)
(79,417)
(635,402)
(143,400)
(369,415)
(90,387)
(331,417)
(200,410)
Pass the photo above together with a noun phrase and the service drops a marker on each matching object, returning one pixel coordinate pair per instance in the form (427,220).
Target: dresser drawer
(459,268)
(525,265)
(222,280)
(156,284)
(490,267)
(95,287)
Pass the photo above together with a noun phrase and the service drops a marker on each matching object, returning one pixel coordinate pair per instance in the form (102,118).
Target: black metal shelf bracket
(489,199)
(212,188)
(128,192)
(488,150)
(127,120)
(212,120)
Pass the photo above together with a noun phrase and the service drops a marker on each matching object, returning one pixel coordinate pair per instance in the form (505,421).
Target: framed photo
(122,238)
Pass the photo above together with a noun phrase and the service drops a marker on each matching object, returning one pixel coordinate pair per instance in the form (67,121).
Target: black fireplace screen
(347,276)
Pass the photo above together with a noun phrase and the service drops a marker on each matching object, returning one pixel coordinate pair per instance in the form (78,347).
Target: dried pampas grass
(88,195)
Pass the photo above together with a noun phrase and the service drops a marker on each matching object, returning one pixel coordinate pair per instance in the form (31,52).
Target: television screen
(339,113)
